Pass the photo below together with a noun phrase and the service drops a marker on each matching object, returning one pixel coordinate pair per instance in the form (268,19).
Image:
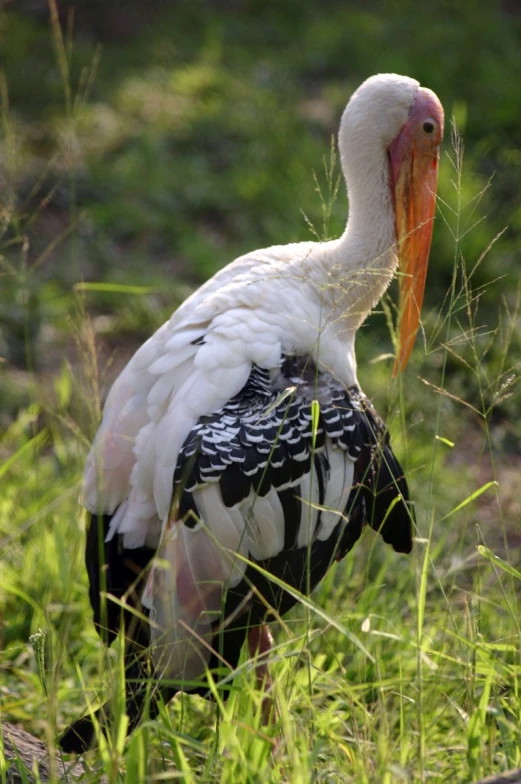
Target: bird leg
(260,643)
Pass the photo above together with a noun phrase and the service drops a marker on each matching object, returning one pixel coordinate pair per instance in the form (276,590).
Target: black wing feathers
(115,570)
(389,508)
(263,438)
(384,487)
(119,572)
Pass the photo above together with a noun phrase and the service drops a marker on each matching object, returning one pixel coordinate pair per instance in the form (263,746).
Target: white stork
(237,436)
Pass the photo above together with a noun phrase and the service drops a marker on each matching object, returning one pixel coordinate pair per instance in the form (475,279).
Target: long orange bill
(414,176)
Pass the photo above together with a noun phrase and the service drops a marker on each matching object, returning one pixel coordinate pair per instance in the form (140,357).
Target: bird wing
(151,409)
(190,367)
(267,478)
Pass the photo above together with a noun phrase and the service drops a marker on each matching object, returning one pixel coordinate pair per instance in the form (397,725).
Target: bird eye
(428,126)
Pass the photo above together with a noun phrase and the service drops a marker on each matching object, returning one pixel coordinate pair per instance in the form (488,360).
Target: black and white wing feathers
(284,475)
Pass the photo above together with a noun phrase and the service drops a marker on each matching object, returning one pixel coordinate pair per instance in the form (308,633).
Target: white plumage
(200,457)
(305,298)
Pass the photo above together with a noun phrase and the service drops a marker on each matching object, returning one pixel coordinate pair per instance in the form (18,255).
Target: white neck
(351,274)
(355,270)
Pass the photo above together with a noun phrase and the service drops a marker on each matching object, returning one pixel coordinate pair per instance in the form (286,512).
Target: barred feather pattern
(284,476)
(264,438)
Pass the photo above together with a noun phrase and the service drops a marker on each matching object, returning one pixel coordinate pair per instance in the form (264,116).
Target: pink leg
(260,643)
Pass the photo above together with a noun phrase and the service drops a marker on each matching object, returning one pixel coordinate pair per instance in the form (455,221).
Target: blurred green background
(143,145)
(157,141)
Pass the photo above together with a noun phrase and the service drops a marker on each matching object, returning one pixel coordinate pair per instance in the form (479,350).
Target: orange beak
(414,158)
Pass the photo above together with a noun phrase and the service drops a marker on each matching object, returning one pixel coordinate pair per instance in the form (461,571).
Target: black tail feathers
(389,509)
(81,735)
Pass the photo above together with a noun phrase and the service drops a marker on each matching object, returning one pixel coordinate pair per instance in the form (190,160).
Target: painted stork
(237,437)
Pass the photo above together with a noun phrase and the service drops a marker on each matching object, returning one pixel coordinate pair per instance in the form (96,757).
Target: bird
(238,458)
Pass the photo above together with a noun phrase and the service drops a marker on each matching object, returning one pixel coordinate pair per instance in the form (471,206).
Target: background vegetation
(144,145)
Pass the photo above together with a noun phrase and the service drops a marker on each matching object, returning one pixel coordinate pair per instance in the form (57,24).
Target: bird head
(393,115)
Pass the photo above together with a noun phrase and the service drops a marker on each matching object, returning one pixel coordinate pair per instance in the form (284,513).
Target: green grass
(400,669)
(435,697)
